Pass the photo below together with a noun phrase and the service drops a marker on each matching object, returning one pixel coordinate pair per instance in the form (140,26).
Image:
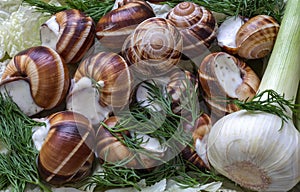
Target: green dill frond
(246,8)
(93,8)
(17,165)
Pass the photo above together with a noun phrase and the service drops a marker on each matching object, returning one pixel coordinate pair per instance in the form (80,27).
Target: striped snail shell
(70,32)
(181,85)
(224,76)
(67,154)
(109,146)
(200,131)
(46,74)
(256,37)
(197,26)
(252,39)
(110,74)
(113,28)
(153,48)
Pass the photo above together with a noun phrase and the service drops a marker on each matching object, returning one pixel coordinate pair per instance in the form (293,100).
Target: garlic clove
(83,90)
(227,33)
(19,90)
(261,156)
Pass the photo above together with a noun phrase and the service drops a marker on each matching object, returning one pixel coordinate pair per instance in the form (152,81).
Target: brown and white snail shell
(199,130)
(197,26)
(40,75)
(70,32)
(68,151)
(110,74)
(113,28)
(182,85)
(222,77)
(252,39)
(153,48)
(110,147)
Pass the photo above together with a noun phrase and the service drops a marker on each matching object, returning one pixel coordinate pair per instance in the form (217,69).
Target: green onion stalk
(259,147)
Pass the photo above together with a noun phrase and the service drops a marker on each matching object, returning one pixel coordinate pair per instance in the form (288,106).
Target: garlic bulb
(261,156)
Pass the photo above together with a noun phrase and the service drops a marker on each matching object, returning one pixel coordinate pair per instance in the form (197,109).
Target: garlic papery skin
(253,150)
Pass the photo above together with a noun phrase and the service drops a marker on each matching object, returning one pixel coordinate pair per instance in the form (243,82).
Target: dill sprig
(270,101)
(18,163)
(247,8)
(93,8)
(162,124)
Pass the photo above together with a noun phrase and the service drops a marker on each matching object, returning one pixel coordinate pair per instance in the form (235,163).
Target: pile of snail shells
(143,55)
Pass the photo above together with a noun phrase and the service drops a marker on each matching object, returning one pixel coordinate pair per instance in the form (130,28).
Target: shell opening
(20,92)
(228,74)
(49,32)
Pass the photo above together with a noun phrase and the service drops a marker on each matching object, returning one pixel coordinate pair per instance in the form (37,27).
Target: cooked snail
(113,28)
(36,79)
(103,81)
(223,76)
(71,33)
(68,151)
(252,39)
(153,48)
(197,26)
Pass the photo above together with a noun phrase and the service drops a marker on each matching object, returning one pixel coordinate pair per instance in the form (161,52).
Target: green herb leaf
(18,164)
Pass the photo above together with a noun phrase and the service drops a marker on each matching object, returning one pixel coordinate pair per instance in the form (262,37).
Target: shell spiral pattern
(45,71)
(197,26)
(154,47)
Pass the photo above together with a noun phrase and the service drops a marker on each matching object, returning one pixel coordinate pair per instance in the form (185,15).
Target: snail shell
(110,73)
(70,32)
(182,84)
(223,76)
(197,26)
(200,131)
(153,48)
(252,39)
(113,28)
(256,38)
(110,148)
(67,154)
(46,73)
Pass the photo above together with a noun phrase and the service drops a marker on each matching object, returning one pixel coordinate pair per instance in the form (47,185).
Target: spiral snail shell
(67,154)
(70,32)
(224,76)
(110,73)
(200,131)
(110,148)
(45,74)
(197,26)
(153,48)
(113,28)
(252,39)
